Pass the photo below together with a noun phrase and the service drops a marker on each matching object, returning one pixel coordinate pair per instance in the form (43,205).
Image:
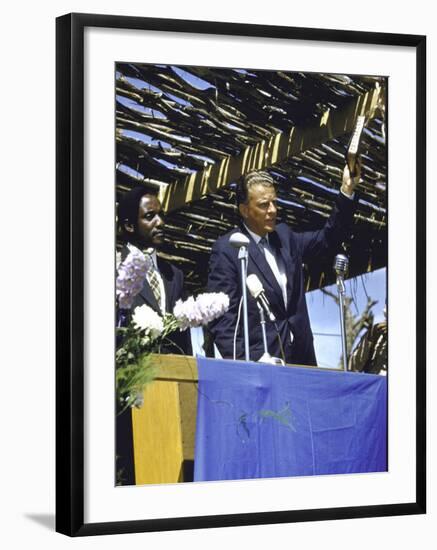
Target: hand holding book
(352,170)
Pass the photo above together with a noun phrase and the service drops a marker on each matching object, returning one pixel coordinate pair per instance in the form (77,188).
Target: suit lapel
(147,292)
(147,295)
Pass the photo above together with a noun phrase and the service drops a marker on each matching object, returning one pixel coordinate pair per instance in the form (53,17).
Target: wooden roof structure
(191,132)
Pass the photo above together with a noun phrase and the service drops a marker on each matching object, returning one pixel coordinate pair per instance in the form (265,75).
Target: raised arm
(338,226)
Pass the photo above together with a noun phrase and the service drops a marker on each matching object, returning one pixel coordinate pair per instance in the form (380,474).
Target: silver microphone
(241,242)
(237,240)
(341,265)
(256,289)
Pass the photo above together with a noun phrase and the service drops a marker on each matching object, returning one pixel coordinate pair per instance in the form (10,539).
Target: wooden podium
(163,429)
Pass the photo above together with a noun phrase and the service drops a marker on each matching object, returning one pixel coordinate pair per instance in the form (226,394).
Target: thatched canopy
(191,132)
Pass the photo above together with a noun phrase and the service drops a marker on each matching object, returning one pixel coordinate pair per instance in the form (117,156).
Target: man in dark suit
(141,223)
(276,256)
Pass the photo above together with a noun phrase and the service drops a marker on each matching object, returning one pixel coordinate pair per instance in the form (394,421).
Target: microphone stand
(243,256)
(266,357)
(341,292)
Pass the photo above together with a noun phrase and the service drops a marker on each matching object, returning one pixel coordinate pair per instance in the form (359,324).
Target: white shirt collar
(254,236)
(153,255)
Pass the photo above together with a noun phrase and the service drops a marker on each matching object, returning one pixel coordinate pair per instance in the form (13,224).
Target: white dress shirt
(276,264)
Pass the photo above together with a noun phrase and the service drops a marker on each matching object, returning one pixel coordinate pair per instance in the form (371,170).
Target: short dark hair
(256,177)
(129,205)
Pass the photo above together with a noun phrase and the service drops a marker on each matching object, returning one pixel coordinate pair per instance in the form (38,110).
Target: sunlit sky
(325,315)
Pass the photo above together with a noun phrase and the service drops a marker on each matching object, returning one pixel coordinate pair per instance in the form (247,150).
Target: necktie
(277,266)
(153,278)
(263,243)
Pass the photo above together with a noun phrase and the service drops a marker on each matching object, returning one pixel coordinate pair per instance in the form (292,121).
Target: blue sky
(325,316)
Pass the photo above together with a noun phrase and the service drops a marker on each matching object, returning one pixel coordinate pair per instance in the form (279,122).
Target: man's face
(150,223)
(259,213)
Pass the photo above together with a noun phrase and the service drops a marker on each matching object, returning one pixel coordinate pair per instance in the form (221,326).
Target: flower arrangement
(146,330)
(196,312)
(130,276)
(143,335)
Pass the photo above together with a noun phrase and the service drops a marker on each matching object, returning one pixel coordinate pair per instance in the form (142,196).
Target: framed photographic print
(181,403)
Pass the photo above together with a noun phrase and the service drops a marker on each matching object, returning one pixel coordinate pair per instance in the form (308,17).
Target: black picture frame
(70,273)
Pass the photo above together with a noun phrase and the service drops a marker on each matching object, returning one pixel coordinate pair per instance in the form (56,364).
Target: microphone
(256,289)
(341,265)
(240,241)
(237,240)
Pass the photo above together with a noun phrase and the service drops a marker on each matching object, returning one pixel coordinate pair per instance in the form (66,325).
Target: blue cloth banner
(263,421)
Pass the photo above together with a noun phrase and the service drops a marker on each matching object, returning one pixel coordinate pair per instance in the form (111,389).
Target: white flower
(200,311)
(130,276)
(148,320)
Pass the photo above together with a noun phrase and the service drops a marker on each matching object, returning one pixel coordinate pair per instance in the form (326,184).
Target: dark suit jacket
(295,249)
(173,280)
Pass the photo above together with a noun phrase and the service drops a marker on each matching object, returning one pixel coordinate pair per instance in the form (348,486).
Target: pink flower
(200,311)
(130,277)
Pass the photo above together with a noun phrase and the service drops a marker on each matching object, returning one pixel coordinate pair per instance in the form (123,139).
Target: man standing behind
(276,255)
(141,223)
